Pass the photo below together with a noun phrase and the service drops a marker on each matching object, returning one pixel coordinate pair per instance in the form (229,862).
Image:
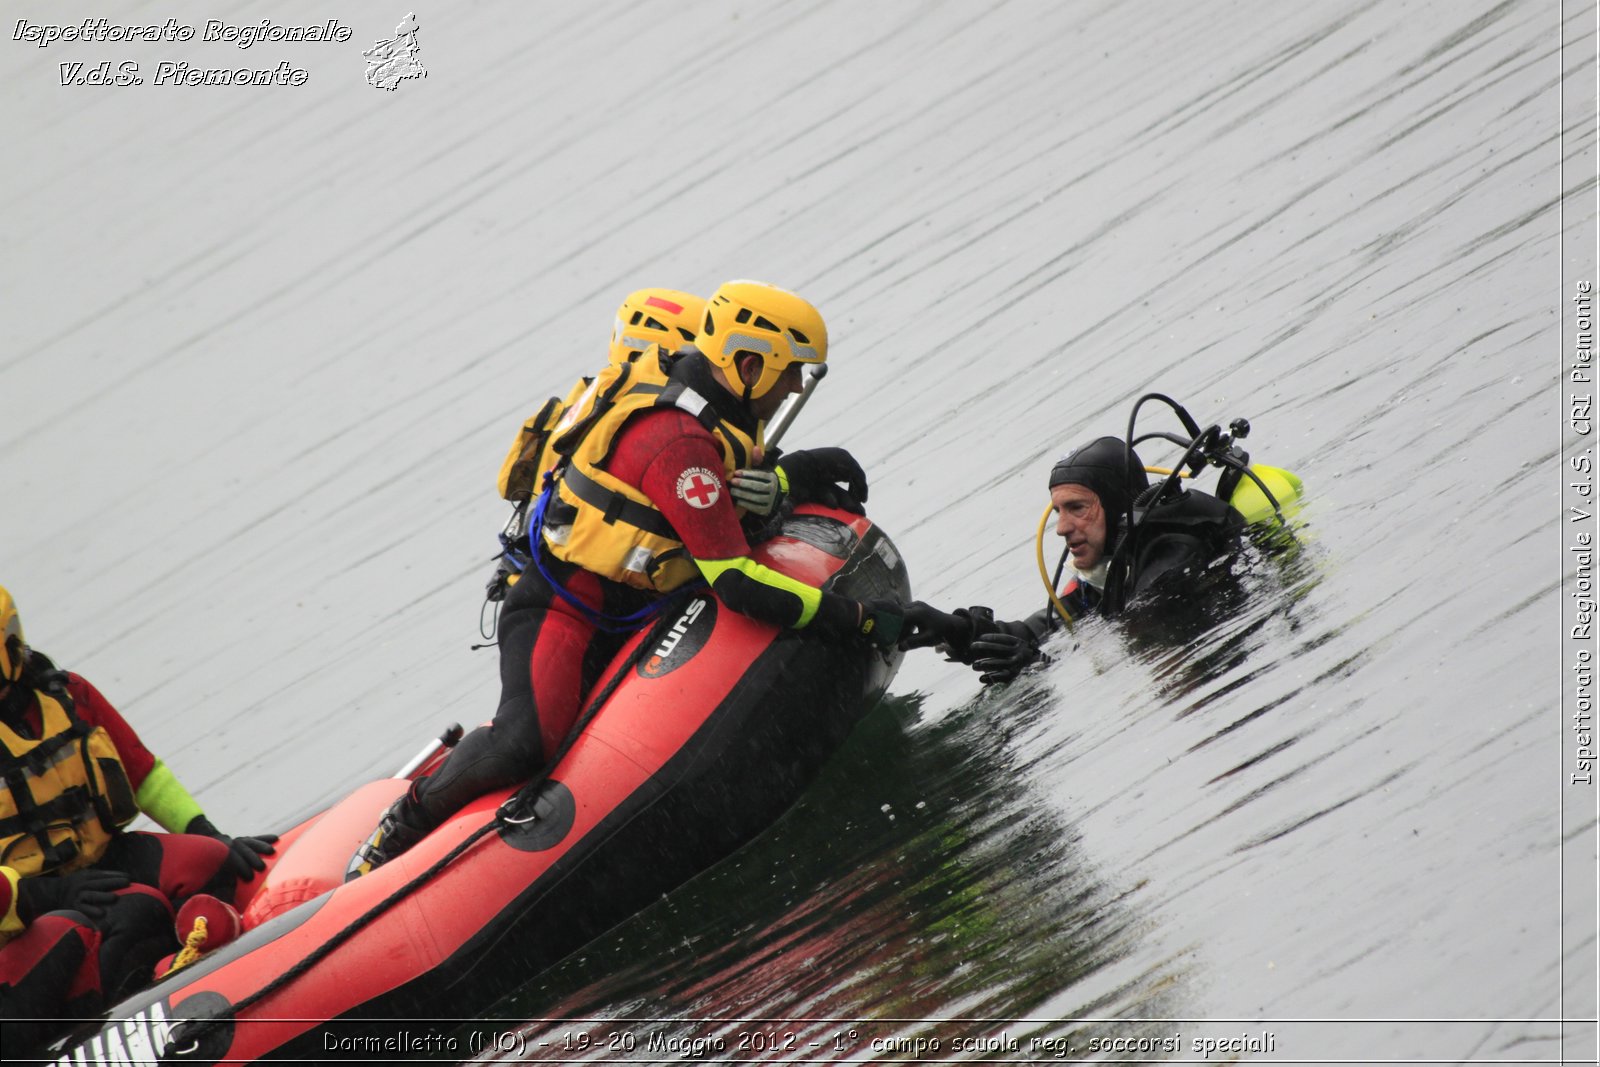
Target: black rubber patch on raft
(199,1040)
(553,813)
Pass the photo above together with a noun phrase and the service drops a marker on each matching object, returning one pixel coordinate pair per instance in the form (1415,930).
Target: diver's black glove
(812,475)
(89,892)
(244,853)
(1000,657)
(935,627)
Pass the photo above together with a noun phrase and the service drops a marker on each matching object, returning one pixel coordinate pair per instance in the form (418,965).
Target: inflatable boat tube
(713,726)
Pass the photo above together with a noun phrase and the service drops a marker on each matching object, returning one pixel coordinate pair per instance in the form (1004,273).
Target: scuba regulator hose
(1044,575)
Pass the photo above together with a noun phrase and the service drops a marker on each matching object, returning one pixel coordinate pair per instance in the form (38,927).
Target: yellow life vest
(531,454)
(61,796)
(599,522)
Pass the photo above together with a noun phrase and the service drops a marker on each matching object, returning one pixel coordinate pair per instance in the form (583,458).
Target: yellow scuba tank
(1248,499)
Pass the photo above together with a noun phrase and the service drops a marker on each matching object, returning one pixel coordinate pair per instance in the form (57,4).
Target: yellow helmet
(648,317)
(754,318)
(12,642)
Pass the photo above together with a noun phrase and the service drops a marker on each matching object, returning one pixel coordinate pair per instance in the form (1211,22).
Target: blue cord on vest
(615,624)
(513,556)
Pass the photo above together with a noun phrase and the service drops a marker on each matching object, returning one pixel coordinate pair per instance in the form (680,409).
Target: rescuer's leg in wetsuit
(48,973)
(64,967)
(551,655)
(176,865)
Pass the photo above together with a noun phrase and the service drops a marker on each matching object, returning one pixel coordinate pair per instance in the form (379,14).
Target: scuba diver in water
(86,906)
(653,460)
(1128,542)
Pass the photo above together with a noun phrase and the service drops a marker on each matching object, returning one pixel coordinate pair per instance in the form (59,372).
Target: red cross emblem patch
(699,488)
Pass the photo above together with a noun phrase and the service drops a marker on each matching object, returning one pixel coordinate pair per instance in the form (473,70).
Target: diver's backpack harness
(1210,446)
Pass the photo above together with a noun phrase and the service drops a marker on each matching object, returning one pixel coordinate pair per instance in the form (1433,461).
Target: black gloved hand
(1000,657)
(812,474)
(244,853)
(935,627)
(88,891)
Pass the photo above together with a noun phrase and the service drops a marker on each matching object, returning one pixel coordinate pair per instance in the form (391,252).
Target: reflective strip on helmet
(801,353)
(750,341)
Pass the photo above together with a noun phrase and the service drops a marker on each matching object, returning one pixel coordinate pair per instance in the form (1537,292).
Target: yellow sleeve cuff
(810,596)
(164,799)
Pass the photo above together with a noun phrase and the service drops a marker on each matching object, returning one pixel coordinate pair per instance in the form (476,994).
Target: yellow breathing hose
(1044,573)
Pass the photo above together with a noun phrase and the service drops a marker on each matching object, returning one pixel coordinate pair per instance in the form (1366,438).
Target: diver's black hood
(1111,470)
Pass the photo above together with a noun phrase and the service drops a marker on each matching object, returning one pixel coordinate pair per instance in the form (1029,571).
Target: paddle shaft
(792,408)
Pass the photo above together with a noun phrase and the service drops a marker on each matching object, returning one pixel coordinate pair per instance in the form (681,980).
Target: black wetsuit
(1176,544)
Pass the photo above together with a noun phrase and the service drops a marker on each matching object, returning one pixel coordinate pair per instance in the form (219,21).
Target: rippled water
(266,347)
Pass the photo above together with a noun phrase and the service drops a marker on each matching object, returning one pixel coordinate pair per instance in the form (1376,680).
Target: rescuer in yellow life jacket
(642,504)
(646,318)
(86,906)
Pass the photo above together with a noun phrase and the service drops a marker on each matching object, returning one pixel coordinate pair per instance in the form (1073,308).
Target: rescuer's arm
(157,790)
(684,480)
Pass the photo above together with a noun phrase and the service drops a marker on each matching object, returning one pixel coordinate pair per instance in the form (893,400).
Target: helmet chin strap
(749,386)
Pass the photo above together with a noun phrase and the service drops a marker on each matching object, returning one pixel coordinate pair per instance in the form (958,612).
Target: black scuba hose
(1128,441)
(1202,446)
(1195,453)
(1127,538)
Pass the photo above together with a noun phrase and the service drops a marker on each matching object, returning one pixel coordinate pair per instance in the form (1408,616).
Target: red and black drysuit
(552,653)
(63,965)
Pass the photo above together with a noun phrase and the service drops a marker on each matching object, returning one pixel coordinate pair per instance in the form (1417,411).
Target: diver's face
(1082,521)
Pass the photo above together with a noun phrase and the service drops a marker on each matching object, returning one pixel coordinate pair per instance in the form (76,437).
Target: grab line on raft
(191,1031)
(198,1027)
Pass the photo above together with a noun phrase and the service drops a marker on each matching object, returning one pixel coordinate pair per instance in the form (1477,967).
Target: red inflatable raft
(709,726)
